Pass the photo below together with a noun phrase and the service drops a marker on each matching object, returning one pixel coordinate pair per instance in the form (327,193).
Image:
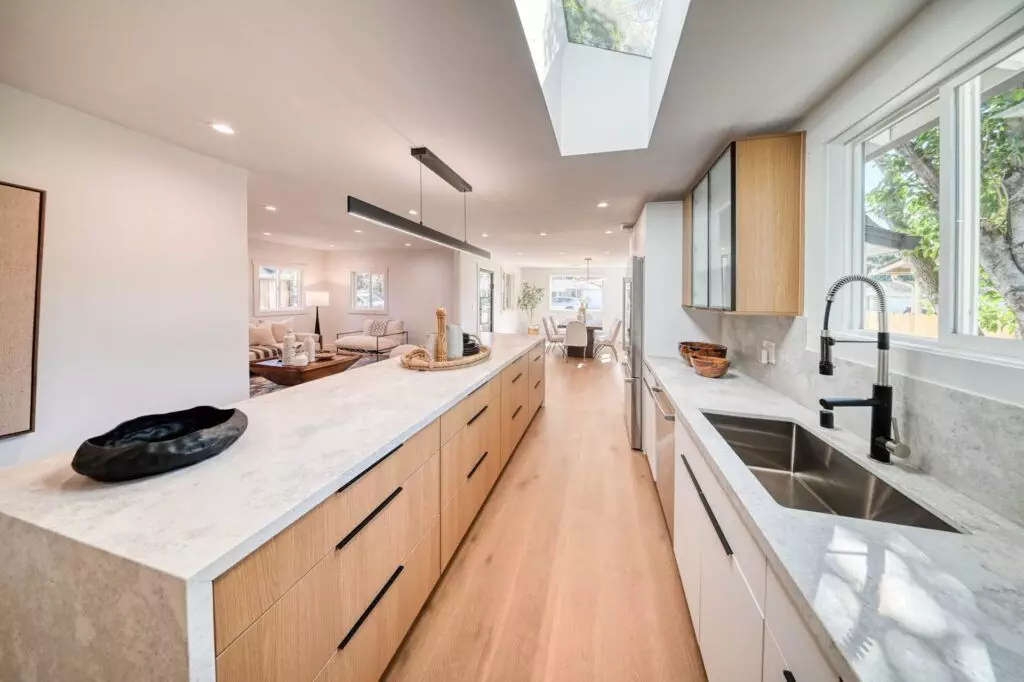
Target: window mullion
(949,189)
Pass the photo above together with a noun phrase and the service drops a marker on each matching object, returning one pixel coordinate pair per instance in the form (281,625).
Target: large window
(370,292)
(567,291)
(939,211)
(278,290)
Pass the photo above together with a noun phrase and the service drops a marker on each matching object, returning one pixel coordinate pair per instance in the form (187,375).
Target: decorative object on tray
(687,349)
(470,345)
(324,355)
(709,366)
(157,443)
(288,351)
(420,360)
(441,350)
(300,360)
(432,345)
(454,341)
(310,347)
(22,211)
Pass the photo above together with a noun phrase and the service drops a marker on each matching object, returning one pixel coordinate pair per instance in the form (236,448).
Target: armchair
(370,340)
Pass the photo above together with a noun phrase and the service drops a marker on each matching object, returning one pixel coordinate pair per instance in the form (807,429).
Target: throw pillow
(395,326)
(260,335)
(378,327)
(280,329)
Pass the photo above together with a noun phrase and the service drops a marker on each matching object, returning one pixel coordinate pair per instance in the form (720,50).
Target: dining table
(588,351)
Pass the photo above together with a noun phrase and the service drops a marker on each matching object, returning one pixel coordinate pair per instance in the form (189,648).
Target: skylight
(628,26)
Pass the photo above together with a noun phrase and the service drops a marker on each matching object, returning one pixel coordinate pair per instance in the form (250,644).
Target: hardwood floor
(568,572)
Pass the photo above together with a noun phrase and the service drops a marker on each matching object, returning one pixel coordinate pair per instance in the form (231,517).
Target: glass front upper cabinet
(720,233)
(700,244)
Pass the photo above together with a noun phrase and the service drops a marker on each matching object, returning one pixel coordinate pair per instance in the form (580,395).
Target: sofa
(377,337)
(266,340)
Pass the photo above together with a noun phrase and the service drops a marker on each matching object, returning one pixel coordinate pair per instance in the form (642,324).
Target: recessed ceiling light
(603,204)
(272,209)
(408,244)
(608,232)
(223,128)
(561,253)
(520,253)
(359,231)
(330,246)
(483,234)
(543,234)
(267,233)
(607,253)
(413,211)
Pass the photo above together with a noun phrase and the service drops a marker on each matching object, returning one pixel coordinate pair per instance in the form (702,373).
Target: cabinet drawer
(460,454)
(366,648)
(458,513)
(797,648)
(460,415)
(747,554)
(250,587)
(537,355)
(516,373)
(536,390)
(297,635)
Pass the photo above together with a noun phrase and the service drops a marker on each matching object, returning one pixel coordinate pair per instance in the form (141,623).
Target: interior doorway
(486,303)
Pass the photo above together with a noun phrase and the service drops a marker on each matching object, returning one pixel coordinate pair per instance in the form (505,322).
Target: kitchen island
(122,581)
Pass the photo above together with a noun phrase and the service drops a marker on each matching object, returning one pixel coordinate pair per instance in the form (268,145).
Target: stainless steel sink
(801,471)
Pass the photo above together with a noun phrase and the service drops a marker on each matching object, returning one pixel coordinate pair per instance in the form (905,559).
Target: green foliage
(587,26)
(530,298)
(907,198)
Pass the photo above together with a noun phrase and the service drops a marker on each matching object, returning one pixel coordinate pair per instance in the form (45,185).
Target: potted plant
(529,299)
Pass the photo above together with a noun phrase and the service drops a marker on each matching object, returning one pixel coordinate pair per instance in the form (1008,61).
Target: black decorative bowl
(156,443)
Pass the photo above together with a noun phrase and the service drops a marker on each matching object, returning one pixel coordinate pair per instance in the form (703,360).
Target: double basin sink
(801,471)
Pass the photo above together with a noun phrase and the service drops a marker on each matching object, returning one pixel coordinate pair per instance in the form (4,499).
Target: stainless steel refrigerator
(633,347)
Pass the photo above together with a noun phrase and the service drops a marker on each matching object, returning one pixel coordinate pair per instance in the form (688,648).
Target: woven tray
(419,360)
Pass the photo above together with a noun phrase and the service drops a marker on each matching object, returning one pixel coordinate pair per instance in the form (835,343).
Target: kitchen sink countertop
(886,602)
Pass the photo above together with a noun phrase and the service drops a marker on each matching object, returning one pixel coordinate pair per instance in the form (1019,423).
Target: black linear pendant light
(379,216)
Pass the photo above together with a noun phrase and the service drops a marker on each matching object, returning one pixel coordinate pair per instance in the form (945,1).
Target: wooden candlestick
(441,352)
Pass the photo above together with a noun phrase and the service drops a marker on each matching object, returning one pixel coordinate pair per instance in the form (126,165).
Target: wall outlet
(767,352)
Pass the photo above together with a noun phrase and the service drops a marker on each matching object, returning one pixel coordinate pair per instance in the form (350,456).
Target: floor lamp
(317,299)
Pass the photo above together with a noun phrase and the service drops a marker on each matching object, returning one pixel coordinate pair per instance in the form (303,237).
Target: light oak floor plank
(568,572)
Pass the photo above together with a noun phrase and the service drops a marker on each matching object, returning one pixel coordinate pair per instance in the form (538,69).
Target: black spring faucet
(883,444)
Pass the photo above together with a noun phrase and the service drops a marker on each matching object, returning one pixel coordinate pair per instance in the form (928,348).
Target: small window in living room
(278,289)
(369,292)
(568,290)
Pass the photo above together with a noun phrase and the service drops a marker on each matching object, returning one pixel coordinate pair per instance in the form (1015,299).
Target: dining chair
(608,340)
(553,340)
(575,336)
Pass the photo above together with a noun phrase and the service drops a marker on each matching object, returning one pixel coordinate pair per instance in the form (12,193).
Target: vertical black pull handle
(371,607)
(537,384)
(517,411)
(788,676)
(707,508)
(517,377)
(537,358)
(477,465)
(477,415)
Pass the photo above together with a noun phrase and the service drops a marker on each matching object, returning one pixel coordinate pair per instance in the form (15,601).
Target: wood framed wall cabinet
(22,214)
(743,227)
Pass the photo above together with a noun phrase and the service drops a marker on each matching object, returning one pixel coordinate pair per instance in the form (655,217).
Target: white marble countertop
(301,445)
(885,602)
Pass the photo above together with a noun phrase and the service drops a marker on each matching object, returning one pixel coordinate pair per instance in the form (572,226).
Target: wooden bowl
(687,349)
(709,366)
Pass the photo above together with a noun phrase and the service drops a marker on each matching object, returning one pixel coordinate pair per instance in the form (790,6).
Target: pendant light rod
(379,216)
(442,169)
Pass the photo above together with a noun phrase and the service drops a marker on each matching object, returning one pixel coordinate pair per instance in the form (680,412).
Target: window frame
(300,309)
(551,290)
(353,303)
(845,192)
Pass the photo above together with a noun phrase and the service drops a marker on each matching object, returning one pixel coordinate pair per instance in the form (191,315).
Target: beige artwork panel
(20,230)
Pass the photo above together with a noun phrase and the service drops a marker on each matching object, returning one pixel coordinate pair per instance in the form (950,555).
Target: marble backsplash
(971,443)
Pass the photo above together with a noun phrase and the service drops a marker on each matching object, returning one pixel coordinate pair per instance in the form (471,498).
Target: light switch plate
(767,352)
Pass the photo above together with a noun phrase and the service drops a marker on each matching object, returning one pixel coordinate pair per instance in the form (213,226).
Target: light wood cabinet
(743,226)
(515,396)
(536,390)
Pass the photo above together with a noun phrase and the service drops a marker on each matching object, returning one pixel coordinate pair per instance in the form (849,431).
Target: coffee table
(293,376)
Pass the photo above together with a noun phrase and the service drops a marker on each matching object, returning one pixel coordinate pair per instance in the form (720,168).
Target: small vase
(288,350)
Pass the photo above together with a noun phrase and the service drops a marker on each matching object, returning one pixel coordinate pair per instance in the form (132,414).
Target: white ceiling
(327,97)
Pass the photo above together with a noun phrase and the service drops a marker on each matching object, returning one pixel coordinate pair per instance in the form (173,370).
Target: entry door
(486,289)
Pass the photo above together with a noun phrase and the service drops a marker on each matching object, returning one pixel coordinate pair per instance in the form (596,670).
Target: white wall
(143,304)
(506,321)
(419,280)
(314,278)
(612,308)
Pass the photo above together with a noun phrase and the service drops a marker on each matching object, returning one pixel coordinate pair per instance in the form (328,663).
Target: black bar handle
(362,524)
(517,411)
(707,508)
(477,465)
(537,358)
(517,377)
(477,415)
(788,676)
(371,607)
(375,465)
(537,384)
